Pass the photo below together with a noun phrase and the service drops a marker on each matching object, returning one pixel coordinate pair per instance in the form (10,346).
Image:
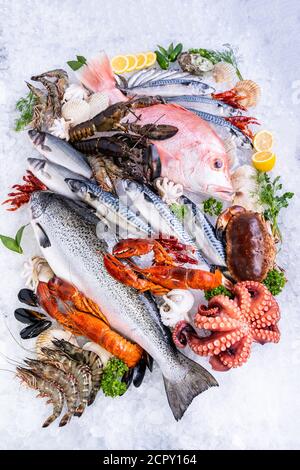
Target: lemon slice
(132,62)
(119,63)
(263,141)
(141,61)
(151,58)
(264,161)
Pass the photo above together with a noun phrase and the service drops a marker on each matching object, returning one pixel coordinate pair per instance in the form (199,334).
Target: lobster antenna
(15,340)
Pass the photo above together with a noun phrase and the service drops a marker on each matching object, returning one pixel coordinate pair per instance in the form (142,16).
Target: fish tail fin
(97,74)
(181,394)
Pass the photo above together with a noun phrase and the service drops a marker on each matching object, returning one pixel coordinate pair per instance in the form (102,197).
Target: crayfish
(166,273)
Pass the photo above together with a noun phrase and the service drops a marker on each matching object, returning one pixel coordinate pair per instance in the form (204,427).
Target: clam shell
(45,339)
(250,90)
(97,349)
(98,102)
(76,111)
(224,72)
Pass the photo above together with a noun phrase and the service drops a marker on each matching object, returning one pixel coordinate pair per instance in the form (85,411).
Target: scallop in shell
(97,349)
(44,340)
(98,102)
(224,72)
(250,91)
(76,111)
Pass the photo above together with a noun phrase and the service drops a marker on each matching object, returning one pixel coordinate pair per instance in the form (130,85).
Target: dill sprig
(25,107)
(215,56)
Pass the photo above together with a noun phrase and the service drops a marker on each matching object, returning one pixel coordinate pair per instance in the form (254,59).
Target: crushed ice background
(256,406)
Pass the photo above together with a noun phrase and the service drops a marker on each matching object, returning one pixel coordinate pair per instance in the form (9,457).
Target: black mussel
(28,297)
(139,372)
(127,377)
(34,330)
(27,316)
(149,361)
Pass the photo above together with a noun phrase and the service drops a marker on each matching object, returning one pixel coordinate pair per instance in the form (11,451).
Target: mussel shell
(139,373)
(149,361)
(34,330)
(127,377)
(28,297)
(27,316)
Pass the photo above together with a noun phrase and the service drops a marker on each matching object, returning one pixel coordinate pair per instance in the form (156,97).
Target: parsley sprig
(272,199)
(25,107)
(212,207)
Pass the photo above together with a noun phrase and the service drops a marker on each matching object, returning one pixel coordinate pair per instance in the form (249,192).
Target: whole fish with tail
(69,243)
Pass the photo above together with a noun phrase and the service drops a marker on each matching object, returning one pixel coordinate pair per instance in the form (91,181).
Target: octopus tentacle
(226,305)
(263,336)
(204,310)
(218,323)
(261,298)
(238,354)
(242,298)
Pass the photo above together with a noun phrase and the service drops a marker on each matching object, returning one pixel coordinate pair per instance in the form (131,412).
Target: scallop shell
(246,189)
(97,349)
(44,340)
(224,72)
(250,90)
(76,111)
(98,102)
(75,92)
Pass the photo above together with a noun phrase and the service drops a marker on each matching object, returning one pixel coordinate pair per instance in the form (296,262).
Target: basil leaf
(81,59)
(162,61)
(175,53)
(170,48)
(163,51)
(19,235)
(74,65)
(11,244)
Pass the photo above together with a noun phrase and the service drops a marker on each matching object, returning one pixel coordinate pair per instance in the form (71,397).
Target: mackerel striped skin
(145,76)
(170,87)
(206,239)
(114,211)
(164,215)
(219,121)
(187,100)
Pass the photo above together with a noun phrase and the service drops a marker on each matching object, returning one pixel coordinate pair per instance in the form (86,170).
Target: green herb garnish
(226,55)
(111,378)
(272,199)
(77,64)
(275,281)
(209,294)
(179,210)
(14,244)
(212,207)
(165,56)
(25,107)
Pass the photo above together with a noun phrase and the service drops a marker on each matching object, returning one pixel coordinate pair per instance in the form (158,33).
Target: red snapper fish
(195,157)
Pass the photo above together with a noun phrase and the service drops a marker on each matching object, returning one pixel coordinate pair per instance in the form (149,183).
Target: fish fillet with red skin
(195,157)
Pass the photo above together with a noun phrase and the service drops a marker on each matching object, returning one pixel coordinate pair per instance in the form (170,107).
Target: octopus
(233,325)
(250,247)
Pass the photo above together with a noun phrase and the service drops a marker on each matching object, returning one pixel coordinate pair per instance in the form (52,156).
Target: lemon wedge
(119,63)
(132,62)
(263,141)
(151,58)
(141,61)
(264,161)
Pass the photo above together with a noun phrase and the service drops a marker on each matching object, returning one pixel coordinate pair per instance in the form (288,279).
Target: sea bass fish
(53,176)
(60,152)
(195,157)
(67,237)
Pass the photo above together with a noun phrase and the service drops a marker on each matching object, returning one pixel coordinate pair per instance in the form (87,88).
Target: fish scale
(69,243)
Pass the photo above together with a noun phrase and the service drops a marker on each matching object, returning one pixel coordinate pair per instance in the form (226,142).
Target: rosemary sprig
(215,56)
